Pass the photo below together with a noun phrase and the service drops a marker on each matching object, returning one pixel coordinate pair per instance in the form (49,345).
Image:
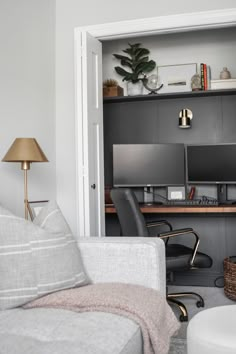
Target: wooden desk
(177,209)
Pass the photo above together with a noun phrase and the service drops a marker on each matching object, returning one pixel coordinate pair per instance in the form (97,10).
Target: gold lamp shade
(25,150)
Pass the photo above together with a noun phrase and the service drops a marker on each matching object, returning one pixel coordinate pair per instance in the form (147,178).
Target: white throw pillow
(37,258)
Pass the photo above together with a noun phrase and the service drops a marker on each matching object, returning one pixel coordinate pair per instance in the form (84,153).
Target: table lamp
(25,150)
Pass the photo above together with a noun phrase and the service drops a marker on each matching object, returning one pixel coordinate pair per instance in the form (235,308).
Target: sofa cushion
(50,218)
(61,331)
(36,260)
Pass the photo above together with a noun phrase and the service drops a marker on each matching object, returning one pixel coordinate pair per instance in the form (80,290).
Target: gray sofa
(55,331)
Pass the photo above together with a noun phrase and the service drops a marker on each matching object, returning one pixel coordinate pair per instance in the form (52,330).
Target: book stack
(205,76)
(223,84)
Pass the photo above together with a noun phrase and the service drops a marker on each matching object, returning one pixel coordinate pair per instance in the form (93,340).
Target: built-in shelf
(162,96)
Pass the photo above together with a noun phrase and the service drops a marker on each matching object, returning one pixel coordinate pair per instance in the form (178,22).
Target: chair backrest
(131,219)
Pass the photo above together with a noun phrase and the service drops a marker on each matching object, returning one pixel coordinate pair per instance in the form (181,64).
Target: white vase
(134,89)
(225,74)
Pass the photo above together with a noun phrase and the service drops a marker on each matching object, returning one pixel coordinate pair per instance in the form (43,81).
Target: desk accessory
(174,193)
(151,83)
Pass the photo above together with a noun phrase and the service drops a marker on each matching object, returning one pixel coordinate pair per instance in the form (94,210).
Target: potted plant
(111,88)
(138,65)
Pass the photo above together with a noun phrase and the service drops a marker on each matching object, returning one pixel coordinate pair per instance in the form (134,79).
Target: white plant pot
(134,89)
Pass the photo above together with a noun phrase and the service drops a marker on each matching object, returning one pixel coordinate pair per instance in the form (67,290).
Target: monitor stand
(222,195)
(148,196)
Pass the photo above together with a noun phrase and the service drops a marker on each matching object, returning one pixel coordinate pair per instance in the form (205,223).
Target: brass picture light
(185,117)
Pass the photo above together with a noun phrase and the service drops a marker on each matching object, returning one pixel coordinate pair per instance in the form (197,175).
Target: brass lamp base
(25,166)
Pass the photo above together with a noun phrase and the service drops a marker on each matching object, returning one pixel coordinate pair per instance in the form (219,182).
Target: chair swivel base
(184,313)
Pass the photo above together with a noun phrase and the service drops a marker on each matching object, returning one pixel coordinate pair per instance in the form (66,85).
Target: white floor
(212,296)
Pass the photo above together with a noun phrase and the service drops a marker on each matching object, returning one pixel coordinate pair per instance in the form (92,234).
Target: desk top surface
(171,209)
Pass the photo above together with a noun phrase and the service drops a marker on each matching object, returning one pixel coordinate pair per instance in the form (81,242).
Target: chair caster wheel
(183,318)
(200,303)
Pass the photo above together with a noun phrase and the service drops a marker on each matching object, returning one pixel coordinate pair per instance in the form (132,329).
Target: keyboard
(189,202)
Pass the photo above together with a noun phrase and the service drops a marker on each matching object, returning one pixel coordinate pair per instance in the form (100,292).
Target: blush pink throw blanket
(143,305)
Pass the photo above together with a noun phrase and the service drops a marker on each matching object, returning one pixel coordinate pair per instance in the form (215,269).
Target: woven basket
(230,277)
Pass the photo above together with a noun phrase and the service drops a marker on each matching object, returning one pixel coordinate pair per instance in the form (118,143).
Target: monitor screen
(140,165)
(211,163)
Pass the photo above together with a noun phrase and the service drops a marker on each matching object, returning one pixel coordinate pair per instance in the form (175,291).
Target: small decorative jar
(225,74)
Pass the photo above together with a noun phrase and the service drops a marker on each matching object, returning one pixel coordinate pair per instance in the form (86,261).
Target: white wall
(74,13)
(27,95)
(217,48)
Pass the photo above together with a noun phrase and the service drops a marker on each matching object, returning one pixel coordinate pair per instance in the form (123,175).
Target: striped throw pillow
(37,258)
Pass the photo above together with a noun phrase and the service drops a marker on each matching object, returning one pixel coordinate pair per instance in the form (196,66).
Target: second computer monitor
(211,164)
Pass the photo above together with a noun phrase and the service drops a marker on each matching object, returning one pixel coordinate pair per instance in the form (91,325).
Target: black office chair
(178,257)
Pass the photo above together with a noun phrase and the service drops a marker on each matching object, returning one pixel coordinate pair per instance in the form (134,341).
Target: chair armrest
(134,260)
(159,223)
(181,232)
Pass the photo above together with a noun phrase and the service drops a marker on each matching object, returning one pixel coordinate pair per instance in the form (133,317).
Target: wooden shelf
(163,96)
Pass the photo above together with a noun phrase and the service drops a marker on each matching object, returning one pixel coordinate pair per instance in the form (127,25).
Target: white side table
(213,331)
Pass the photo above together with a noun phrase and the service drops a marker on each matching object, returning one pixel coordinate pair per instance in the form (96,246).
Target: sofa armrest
(134,260)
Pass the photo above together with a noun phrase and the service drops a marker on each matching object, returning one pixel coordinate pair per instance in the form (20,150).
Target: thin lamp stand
(25,166)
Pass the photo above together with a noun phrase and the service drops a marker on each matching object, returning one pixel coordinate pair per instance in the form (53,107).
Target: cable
(216,280)
(157,194)
(205,197)
(202,197)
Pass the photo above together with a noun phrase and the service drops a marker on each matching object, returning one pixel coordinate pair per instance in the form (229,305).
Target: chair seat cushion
(178,258)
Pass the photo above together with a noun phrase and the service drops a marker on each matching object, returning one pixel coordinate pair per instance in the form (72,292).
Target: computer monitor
(148,165)
(212,164)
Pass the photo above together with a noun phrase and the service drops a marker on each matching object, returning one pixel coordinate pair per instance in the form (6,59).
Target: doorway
(90,165)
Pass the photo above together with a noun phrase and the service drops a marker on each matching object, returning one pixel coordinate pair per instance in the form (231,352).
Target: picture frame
(34,207)
(176,78)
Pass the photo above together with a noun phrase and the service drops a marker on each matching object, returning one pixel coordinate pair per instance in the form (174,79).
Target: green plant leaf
(121,57)
(128,77)
(132,50)
(141,52)
(121,71)
(145,67)
(135,78)
(136,63)
(128,51)
(126,63)
(152,65)
(135,45)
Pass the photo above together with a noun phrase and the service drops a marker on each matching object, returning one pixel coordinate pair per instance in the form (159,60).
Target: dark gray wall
(214,121)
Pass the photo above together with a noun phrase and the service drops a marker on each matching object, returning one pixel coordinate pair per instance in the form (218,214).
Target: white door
(91,220)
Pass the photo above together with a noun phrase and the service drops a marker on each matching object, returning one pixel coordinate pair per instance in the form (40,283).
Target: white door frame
(126,29)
